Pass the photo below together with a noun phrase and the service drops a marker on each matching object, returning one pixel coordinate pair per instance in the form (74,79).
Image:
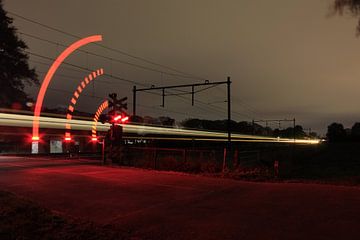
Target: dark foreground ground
(87,201)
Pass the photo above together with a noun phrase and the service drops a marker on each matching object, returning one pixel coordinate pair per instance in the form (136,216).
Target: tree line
(337,133)
(249,128)
(15,72)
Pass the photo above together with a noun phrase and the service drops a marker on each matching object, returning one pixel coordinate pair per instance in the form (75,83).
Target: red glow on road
(50,74)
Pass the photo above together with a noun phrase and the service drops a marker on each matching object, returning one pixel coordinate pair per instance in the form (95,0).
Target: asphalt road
(163,205)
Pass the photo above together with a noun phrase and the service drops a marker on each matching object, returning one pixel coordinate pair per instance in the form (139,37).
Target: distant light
(68,139)
(124,119)
(94,139)
(29,104)
(117,118)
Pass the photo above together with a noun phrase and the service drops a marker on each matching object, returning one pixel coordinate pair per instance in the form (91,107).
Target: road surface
(165,205)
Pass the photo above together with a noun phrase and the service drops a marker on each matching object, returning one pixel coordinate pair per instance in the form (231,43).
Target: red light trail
(79,89)
(49,75)
(100,109)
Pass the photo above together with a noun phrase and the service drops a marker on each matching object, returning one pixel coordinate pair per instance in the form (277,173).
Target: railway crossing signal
(117,113)
(117,106)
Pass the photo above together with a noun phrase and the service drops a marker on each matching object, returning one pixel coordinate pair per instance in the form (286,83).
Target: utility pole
(163,97)
(115,116)
(294,124)
(293,148)
(278,121)
(192,95)
(253,127)
(192,92)
(229,155)
(134,101)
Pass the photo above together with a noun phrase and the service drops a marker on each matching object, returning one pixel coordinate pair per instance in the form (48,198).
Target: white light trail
(17,120)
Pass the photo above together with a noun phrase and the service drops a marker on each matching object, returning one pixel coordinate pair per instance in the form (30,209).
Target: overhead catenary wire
(242,104)
(80,71)
(159,109)
(102,98)
(107,58)
(68,76)
(221,110)
(188,75)
(187,92)
(122,79)
(140,105)
(84,68)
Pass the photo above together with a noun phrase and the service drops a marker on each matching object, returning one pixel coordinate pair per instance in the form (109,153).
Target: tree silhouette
(244,127)
(336,132)
(355,132)
(15,72)
(348,7)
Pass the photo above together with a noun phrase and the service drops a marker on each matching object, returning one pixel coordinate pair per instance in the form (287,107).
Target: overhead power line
(211,108)
(243,104)
(180,73)
(107,58)
(188,75)
(218,109)
(205,107)
(140,105)
(86,69)
(72,77)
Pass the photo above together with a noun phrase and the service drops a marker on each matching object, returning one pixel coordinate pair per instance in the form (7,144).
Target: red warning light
(117,118)
(35,138)
(125,119)
(67,137)
(94,139)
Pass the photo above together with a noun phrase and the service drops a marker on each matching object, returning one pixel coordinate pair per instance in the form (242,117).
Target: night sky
(286,58)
